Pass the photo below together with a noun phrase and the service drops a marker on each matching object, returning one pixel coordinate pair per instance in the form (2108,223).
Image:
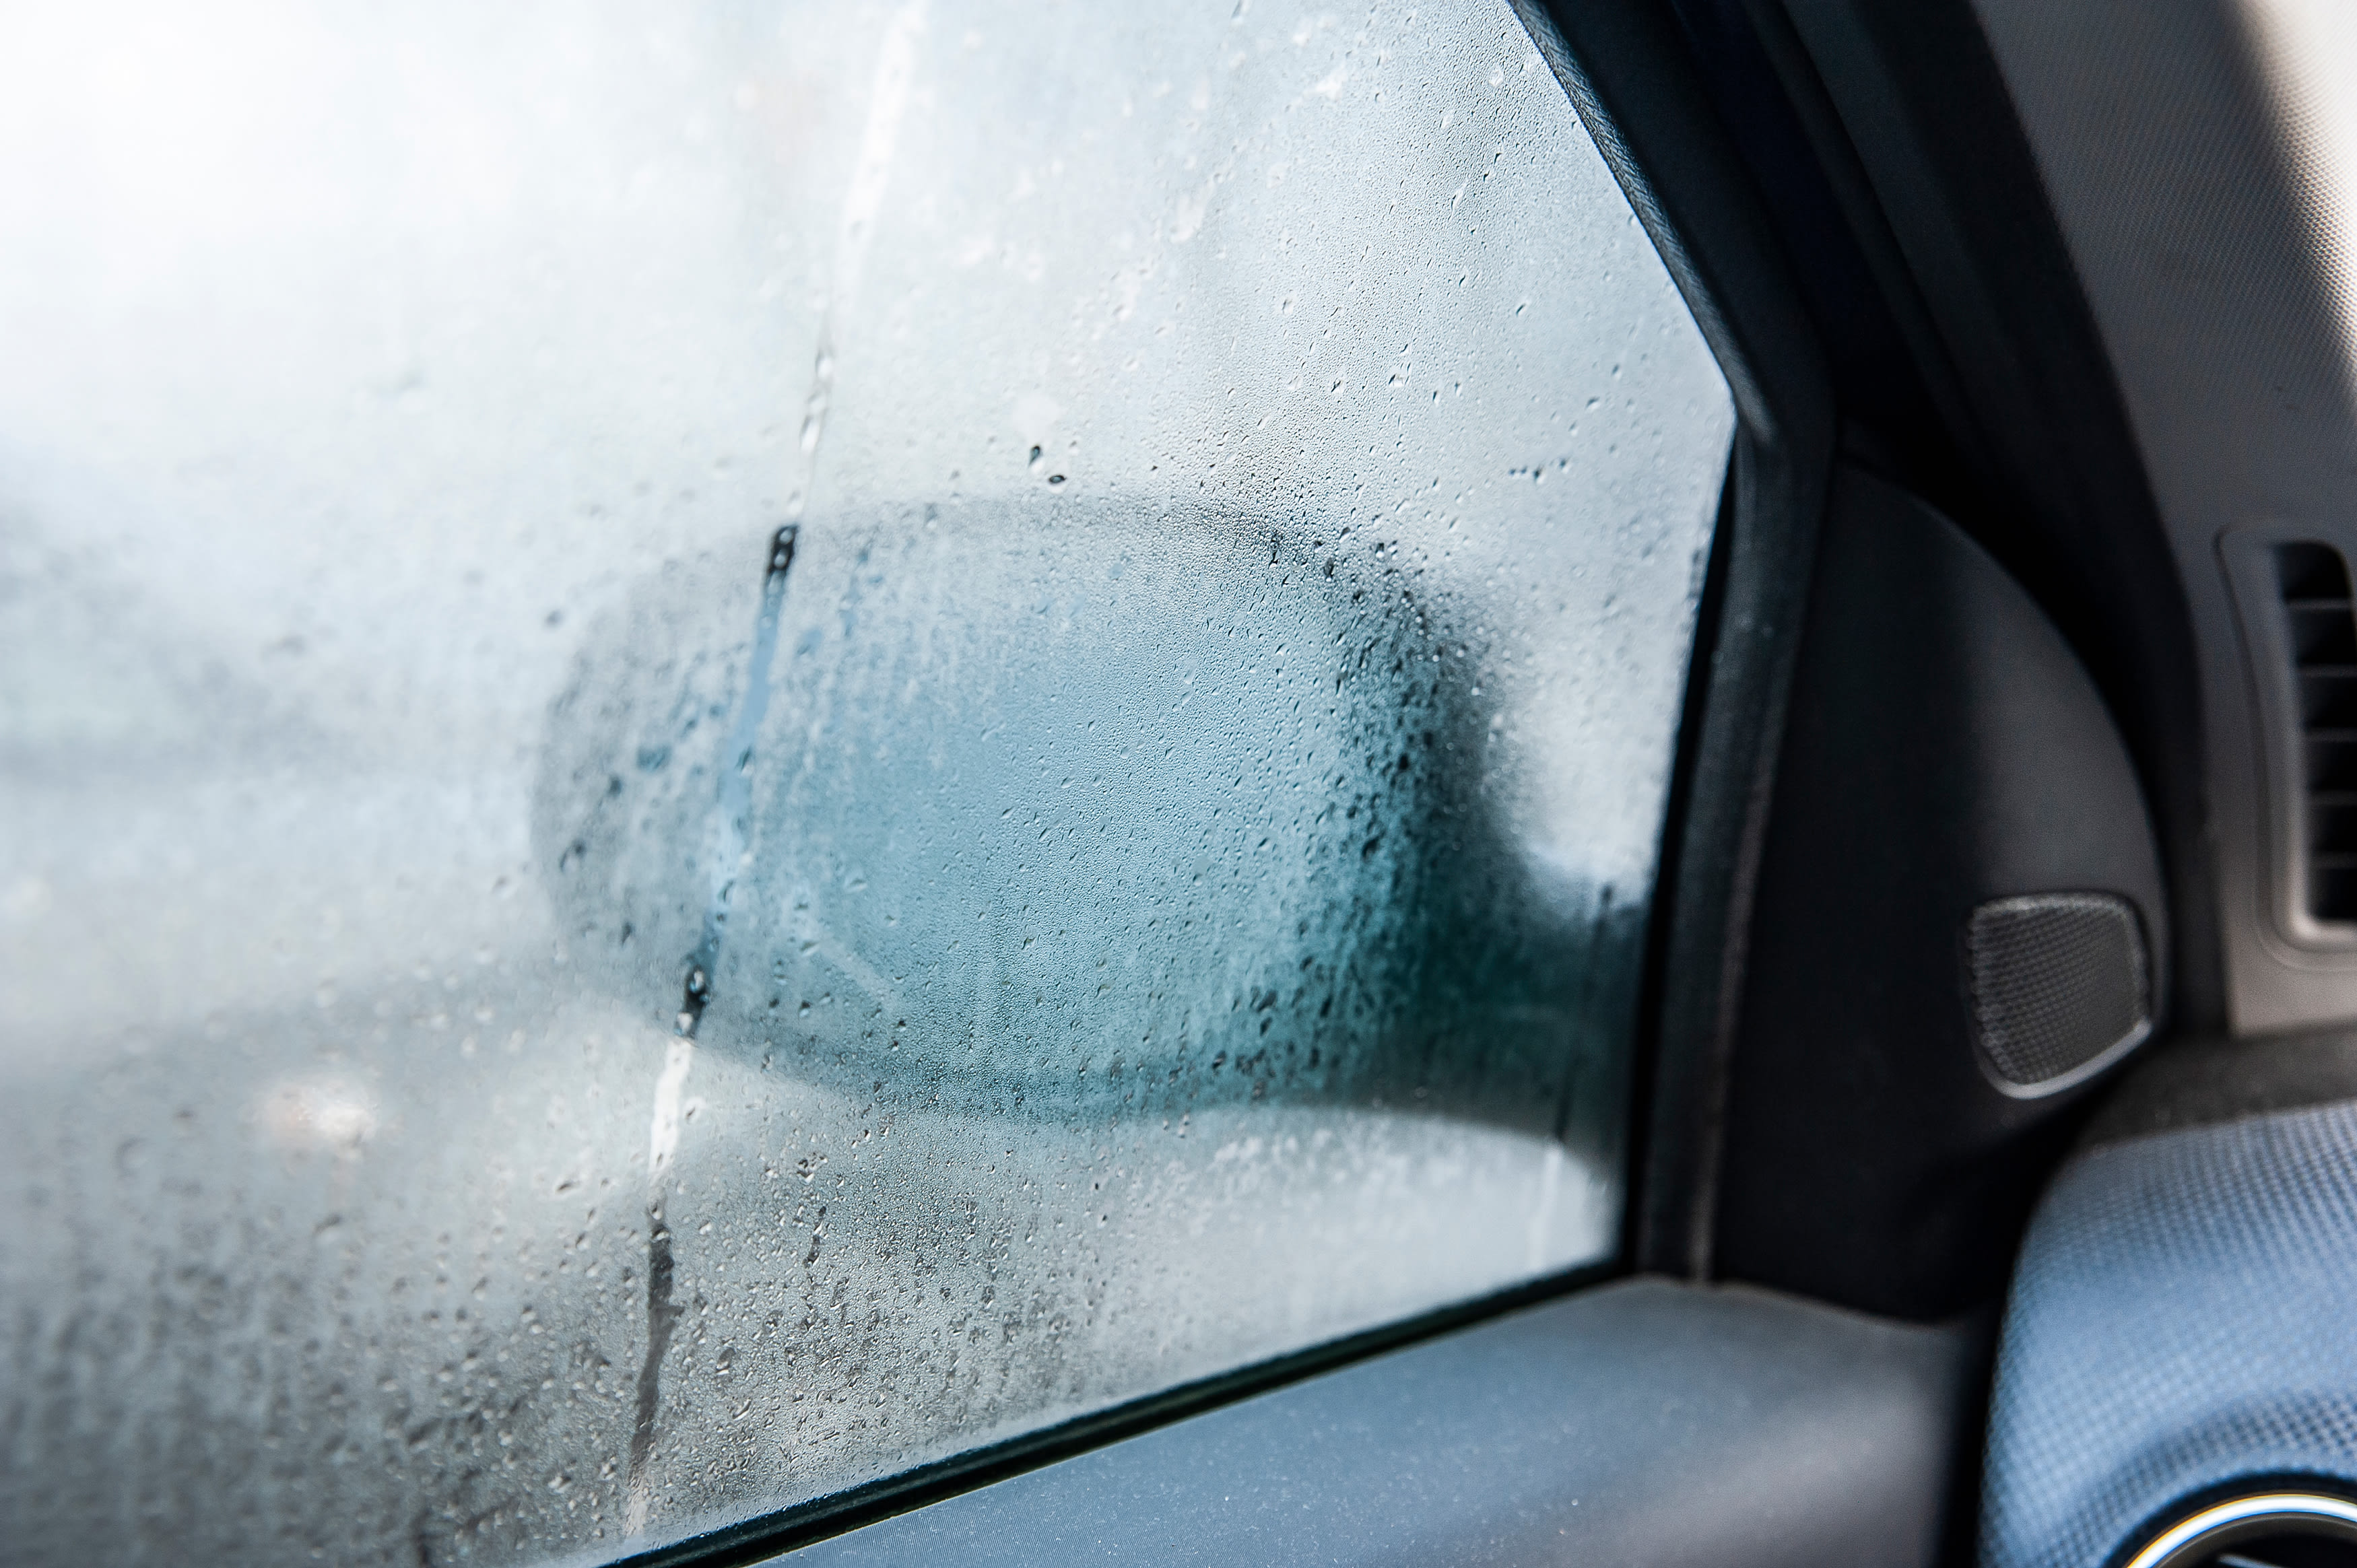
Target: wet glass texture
(741,746)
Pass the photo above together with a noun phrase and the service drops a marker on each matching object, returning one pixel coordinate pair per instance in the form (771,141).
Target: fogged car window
(747,744)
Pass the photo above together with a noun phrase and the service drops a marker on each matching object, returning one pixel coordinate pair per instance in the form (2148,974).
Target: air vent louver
(2321,635)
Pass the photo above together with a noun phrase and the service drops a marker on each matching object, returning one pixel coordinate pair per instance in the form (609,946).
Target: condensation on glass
(747,744)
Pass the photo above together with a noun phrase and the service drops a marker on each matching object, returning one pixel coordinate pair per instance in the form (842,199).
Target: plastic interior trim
(1642,1422)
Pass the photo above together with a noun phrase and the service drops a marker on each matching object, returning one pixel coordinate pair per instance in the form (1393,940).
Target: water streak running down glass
(743,746)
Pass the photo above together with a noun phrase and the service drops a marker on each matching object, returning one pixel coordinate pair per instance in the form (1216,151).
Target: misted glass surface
(744,744)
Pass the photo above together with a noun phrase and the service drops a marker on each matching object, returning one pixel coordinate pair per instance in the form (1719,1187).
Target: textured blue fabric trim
(2184,1315)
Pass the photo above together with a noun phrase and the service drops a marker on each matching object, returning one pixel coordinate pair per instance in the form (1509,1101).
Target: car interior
(882,781)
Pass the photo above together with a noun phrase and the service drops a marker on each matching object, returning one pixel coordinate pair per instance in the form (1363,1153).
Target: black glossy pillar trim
(2019,367)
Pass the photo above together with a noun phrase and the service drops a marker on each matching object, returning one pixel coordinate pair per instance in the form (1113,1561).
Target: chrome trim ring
(2265,1513)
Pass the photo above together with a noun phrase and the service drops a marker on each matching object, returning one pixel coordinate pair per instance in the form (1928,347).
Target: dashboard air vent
(2321,635)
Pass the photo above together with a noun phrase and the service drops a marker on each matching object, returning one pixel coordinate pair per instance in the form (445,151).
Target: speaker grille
(2060,986)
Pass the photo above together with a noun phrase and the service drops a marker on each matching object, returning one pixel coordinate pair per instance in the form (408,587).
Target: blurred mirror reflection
(744,744)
